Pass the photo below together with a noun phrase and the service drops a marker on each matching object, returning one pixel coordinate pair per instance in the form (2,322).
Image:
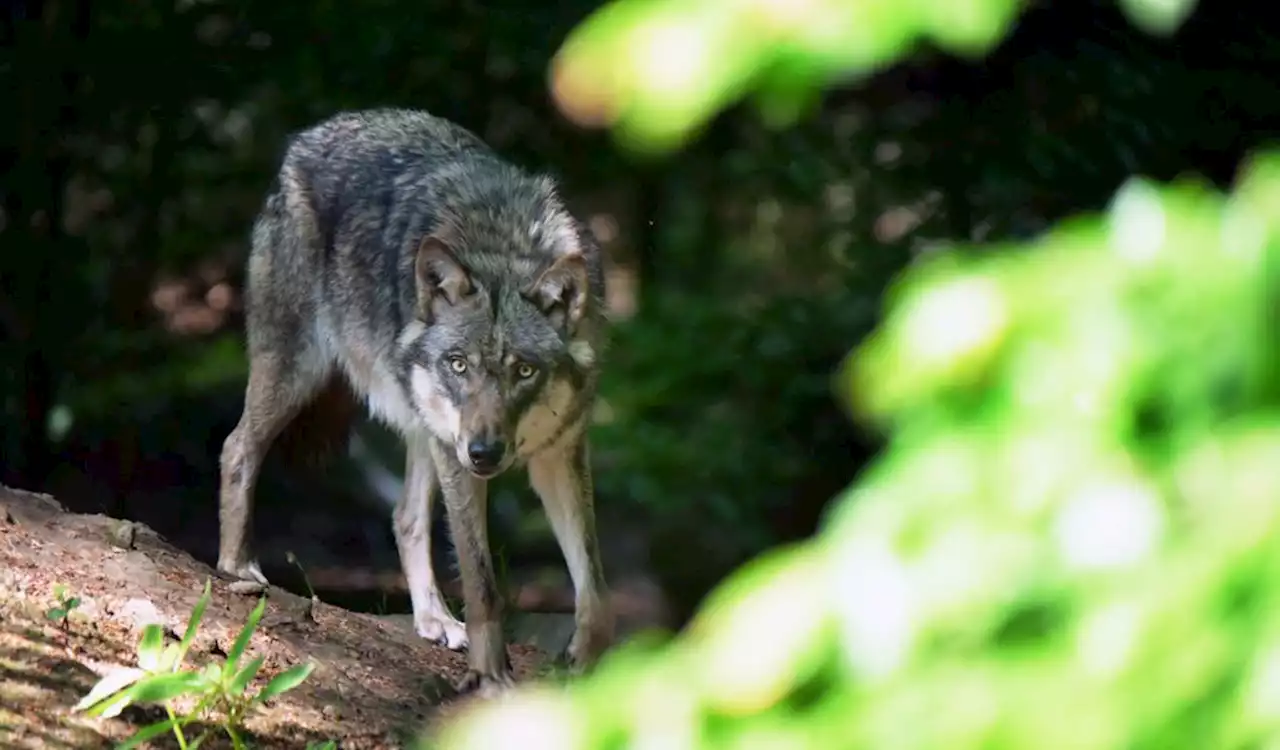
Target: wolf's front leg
(412,523)
(561,476)
(466,502)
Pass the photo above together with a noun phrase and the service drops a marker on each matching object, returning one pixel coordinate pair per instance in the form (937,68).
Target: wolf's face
(495,370)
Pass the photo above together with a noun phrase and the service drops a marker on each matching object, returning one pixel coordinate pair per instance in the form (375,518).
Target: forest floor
(375,684)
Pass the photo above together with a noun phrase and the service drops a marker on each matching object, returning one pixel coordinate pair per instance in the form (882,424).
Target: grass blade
(242,640)
(246,675)
(192,623)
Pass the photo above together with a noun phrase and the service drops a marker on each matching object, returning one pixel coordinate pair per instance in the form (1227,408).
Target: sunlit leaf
(284,682)
(163,687)
(149,647)
(242,639)
(197,613)
(150,732)
(242,678)
(112,683)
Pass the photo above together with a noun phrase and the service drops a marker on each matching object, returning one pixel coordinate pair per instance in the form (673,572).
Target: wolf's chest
(389,402)
(410,407)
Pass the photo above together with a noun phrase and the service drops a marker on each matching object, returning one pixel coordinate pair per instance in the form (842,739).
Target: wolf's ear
(439,276)
(561,291)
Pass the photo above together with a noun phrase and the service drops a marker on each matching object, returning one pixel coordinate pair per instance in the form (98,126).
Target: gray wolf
(400,262)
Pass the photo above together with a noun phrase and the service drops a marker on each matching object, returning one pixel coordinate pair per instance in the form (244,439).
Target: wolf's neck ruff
(462,302)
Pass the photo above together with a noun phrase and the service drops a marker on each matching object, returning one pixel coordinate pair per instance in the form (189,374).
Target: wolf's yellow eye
(458,365)
(524,371)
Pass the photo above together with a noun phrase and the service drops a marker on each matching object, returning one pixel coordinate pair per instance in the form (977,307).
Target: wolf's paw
(248,575)
(486,686)
(442,629)
(589,641)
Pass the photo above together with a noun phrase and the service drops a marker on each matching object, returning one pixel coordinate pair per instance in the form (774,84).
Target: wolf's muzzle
(486,455)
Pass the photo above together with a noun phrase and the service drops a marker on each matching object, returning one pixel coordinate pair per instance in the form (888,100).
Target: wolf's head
(503,350)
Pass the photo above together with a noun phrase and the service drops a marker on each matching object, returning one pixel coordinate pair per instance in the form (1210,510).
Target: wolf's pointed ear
(561,291)
(439,276)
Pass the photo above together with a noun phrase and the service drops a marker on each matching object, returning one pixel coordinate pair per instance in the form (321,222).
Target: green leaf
(149,647)
(55,614)
(194,622)
(163,687)
(152,731)
(242,640)
(1159,17)
(285,681)
(246,675)
(109,685)
(168,659)
(111,708)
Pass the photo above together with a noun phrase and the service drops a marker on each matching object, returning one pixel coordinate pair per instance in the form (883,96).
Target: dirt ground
(375,684)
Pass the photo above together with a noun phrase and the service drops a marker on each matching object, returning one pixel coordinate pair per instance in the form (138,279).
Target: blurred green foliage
(1070,541)
(657,70)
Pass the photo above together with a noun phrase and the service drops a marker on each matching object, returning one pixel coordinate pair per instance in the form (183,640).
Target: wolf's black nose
(486,454)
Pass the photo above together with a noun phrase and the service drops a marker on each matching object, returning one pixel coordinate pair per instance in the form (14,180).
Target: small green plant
(310,612)
(66,603)
(220,692)
(293,560)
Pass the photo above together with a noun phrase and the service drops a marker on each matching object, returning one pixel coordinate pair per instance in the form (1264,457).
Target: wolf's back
(358,150)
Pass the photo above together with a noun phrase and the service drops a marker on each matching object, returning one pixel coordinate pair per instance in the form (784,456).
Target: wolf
(399,261)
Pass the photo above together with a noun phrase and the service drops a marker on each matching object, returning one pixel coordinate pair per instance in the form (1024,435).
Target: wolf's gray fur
(400,261)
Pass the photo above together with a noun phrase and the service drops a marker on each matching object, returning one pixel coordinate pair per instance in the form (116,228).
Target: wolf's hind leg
(412,523)
(279,387)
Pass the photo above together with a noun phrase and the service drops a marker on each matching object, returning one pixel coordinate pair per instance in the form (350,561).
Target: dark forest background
(137,140)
